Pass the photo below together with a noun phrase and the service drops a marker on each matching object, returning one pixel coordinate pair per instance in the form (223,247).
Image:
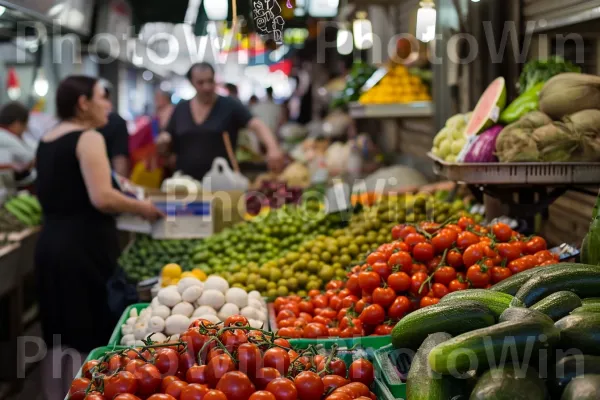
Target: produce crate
(525,173)
(95,354)
(115,338)
(387,372)
(370,343)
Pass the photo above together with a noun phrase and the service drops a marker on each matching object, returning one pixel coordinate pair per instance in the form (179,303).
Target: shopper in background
(14,118)
(195,133)
(164,107)
(232,90)
(76,254)
(252,101)
(268,112)
(116,137)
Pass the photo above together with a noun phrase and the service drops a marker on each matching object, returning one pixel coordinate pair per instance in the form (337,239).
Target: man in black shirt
(116,137)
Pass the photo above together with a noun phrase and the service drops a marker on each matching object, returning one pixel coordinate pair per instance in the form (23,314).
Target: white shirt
(269,113)
(14,151)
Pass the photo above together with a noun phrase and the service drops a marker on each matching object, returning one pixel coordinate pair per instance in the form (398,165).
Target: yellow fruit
(171,271)
(188,274)
(167,282)
(198,273)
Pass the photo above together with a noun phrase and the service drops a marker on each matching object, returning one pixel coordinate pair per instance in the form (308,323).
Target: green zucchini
(587,308)
(582,279)
(485,347)
(513,284)
(590,300)
(570,367)
(590,251)
(524,314)
(424,384)
(586,387)
(581,332)
(558,304)
(413,329)
(497,302)
(510,384)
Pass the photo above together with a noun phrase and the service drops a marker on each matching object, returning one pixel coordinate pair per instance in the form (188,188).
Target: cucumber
(510,384)
(513,284)
(524,314)
(424,384)
(497,302)
(22,217)
(587,308)
(570,367)
(590,300)
(581,332)
(486,346)
(413,329)
(558,304)
(32,201)
(584,388)
(582,279)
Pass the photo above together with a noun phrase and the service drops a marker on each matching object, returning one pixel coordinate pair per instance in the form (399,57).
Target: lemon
(198,273)
(171,271)
(188,274)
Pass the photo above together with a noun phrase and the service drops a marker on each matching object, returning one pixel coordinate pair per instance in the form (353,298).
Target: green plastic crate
(115,338)
(388,372)
(93,355)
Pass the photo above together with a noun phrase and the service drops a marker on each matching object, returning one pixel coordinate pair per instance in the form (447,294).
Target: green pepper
(524,104)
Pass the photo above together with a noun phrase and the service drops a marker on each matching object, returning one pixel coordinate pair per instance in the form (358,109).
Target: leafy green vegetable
(539,71)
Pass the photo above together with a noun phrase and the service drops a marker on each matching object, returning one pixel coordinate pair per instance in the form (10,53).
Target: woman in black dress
(77,250)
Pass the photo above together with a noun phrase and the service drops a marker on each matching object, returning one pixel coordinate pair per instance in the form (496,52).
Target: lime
(292,283)
(282,291)
(261,284)
(288,273)
(327,273)
(272,293)
(271,285)
(275,275)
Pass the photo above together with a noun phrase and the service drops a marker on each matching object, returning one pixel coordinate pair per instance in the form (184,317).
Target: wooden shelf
(408,110)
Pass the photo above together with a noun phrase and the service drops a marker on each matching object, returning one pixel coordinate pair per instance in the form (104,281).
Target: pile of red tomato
(424,263)
(223,362)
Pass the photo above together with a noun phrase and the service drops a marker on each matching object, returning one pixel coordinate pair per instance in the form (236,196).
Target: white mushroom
(186,283)
(157,337)
(212,298)
(216,283)
(209,317)
(183,308)
(161,311)
(250,313)
(126,329)
(202,310)
(237,296)
(227,311)
(156,324)
(169,297)
(131,321)
(176,324)
(192,294)
(255,323)
(133,313)
(140,331)
(155,303)
(127,338)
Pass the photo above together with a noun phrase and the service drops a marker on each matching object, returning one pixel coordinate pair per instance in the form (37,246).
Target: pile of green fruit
(25,208)
(359,74)
(317,261)
(145,257)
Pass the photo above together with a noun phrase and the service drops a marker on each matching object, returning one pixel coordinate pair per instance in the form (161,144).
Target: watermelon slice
(488,108)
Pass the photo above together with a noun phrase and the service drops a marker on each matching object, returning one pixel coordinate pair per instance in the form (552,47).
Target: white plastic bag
(221,177)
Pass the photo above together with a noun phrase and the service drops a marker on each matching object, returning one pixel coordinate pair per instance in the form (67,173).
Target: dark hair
(269,91)
(13,112)
(231,88)
(68,93)
(200,65)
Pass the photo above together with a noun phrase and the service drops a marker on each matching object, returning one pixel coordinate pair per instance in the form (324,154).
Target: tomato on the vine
(479,276)
(264,376)
(439,290)
(444,240)
(315,330)
(369,281)
(500,273)
(309,385)
(402,231)
(402,260)
(219,366)
(382,269)
(278,358)
(372,315)
(194,391)
(465,222)
(236,320)
(159,396)
(147,375)
(262,395)
(78,388)
(384,329)
(384,296)
(376,256)
(337,366)
(444,275)
(474,254)
(283,389)
(417,283)
(214,395)
(360,306)
(400,307)
(361,371)
(121,382)
(535,244)
(249,359)
(236,385)
(457,285)
(466,239)
(414,239)
(428,301)
(399,282)
(423,252)
(502,232)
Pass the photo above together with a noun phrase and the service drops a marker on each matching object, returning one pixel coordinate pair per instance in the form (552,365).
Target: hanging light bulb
(216,10)
(363,31)
(426,17)
(41,85)
(344,41)
(2,10)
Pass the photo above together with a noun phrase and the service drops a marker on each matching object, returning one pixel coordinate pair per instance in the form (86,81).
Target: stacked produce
(449,142)
(547,319)
(359,74)
(25,208)
(146,256)
(425,264)
(176,307)
(224,362)
(272,194)
(397,86)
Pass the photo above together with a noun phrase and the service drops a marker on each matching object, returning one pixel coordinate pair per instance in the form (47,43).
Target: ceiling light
(216,10)
(147,75)
(363,31)
(344,41)
(426,18)
(41,85)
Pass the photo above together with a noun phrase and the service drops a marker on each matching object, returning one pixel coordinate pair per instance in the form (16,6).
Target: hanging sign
(268,19)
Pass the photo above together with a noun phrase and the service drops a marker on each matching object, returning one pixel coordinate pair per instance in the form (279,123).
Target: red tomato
(376,257)
(293,307)
(444,275)
(315,330)
(236,320)
(215,395)
(384,296)
(400,307)
(349,301)
(186,361)
(439,290)
(382,269)
(319,319)
(535,244)
(444,240)
(402,231)
(399,282)
(196,374)
(174,389)
(306,317)
(479,276)
(428,301)
(116,362)
(369,281)
(414,238)
(466,239)
(352,284)
(454,259)
(416,287)
(306,307)
(121,382)
(236,385)
(264,376)
(336,367)
(457,285)
(423,252)
(167,380)
(285,314)
(124,396)
(249,359)
(278,358)
(361,371)
(219,366)
(320,301)
(147,375)
(509,251)
(78,388)
(194,391)
(86,370)
(500,273)
(161,396)
(335,302)
(474,254)
(502,232)
(314,292)
(544,255)
(283,389)
(372,315)
(333,382)
(517,266)
(262,395)
(334,332)
(383,330)
(402,260)
(399,246)
(309,385)
(465,222)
